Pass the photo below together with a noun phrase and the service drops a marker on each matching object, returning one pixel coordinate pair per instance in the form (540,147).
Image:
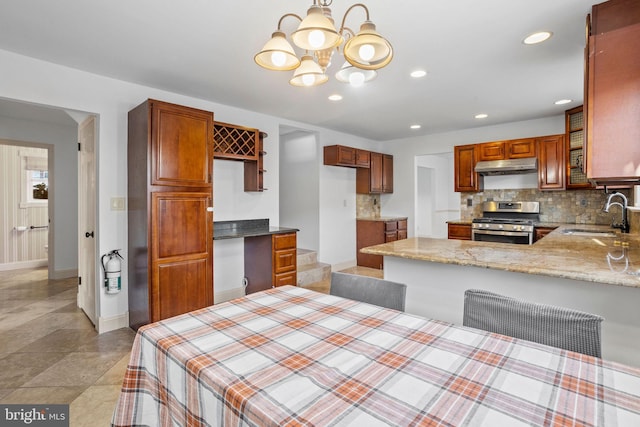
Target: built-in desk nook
(269,252)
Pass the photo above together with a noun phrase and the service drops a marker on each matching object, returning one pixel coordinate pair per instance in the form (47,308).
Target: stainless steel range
(506,222)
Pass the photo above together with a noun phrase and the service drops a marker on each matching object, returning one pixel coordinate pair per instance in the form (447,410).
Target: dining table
(289,356)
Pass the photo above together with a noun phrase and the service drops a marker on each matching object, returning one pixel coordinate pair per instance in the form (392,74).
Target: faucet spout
(624,224)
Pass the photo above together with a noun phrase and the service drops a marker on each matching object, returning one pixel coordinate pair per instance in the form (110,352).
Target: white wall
(63,176)
(300,187)
(30,80)
(405,151)
(436,202)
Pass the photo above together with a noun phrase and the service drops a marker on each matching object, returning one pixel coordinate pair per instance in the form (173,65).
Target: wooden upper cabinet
(375,173)
(378,178)
(464,163)
(613,106)
(551,159)
(574,145)
(520,148)
(614,14)
(340,155)
(363,158)
(501,150)
(491,151)
(181,145)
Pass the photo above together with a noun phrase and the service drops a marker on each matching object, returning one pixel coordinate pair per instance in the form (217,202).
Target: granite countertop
(608,260)
(381,218)
(246,228)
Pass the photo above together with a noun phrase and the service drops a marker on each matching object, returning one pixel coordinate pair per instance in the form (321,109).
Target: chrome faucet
(624,225)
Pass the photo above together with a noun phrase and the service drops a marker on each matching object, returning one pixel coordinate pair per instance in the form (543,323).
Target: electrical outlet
(117,203)
(469,202)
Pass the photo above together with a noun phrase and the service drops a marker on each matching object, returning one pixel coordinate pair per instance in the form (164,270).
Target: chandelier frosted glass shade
(368,49)
(316,31)
(277,54)
(355,76)
(308,73)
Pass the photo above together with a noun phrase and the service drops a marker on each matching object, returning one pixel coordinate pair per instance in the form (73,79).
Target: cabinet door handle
(210,209)
(87,234)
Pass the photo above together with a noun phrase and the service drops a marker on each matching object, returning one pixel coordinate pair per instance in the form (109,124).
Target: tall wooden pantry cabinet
(170,214)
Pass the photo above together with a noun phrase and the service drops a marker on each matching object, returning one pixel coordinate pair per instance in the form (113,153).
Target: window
(38,182)
(35,182)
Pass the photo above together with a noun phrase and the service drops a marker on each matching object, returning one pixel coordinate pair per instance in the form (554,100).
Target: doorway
(24,169)
(436,202)
(57,130)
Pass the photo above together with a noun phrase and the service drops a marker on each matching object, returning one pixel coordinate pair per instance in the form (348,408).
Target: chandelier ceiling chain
(364,52)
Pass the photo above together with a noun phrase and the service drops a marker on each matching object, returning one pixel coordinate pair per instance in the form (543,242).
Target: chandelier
(364,52)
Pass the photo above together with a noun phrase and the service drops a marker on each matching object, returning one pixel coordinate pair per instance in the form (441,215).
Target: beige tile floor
(51,353)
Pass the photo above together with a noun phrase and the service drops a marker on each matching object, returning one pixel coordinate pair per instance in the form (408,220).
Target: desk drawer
(284,261)
(285,279)
(284,241)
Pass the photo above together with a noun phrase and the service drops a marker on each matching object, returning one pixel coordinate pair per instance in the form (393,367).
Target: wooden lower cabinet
(540,232)
(375,232)
(459,231)
(270,261)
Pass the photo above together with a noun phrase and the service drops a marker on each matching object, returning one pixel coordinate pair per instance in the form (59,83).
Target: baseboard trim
(228,295)
(107,324)
(23,265)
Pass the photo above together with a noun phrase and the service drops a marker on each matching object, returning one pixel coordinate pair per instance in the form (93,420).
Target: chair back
(545,324)
(383,293)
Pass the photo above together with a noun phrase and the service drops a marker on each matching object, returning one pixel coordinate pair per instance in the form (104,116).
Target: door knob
(87,234)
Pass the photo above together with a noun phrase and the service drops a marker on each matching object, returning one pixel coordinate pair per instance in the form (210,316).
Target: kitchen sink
(589,233)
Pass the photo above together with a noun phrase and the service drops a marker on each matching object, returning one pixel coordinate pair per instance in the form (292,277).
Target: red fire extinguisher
(112,271)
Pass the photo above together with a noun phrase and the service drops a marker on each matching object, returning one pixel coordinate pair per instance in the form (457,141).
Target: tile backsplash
(367,206)
(575,206)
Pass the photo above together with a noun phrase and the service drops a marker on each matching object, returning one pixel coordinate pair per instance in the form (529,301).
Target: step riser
(313,275)
(306,258)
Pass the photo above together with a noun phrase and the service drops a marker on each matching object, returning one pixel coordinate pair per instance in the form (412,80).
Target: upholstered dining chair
(383,293)
(545,324)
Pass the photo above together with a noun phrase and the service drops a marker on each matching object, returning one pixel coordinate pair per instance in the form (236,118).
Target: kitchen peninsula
(593,273)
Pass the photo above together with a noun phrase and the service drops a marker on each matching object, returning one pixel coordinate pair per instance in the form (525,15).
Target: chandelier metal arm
(344,18)
(284,16)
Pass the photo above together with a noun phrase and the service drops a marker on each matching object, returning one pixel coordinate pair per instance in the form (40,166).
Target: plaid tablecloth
(290,357)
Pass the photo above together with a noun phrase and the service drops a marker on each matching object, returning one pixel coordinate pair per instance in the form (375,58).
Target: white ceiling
(471,49)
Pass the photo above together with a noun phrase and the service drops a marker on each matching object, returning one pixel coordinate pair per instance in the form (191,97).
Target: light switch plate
(117,203)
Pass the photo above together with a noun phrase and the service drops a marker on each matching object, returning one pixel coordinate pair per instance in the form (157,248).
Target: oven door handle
(502,233)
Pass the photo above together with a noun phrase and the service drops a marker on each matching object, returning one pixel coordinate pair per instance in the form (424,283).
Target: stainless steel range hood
(504,167)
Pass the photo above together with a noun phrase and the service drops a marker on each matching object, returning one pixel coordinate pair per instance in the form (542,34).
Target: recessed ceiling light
(335,97)
(415,126)
(537,37)
(481,116)
(418,73)
(562,101)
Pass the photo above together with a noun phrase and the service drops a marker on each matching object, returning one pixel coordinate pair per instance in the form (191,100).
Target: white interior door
(87,218)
